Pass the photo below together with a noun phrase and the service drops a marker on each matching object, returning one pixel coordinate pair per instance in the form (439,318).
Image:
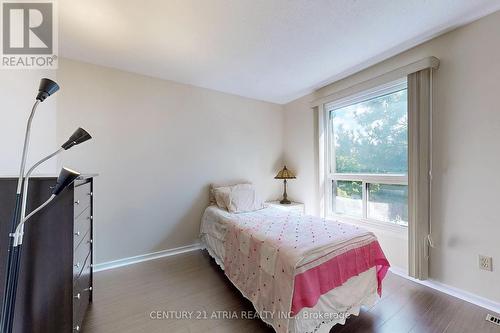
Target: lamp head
(66,177)
(79,136)
(47,88)
(285,174)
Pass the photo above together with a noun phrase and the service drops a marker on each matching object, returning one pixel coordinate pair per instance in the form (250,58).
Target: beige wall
(157,145)
(466,152)
(301,152)
(18,89)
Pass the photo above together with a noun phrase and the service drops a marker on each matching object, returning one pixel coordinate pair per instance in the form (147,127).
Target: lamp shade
(66,177)
(79,136)
(285,174)
(47,88)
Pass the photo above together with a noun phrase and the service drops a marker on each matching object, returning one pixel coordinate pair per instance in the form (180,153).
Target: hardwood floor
(126,298)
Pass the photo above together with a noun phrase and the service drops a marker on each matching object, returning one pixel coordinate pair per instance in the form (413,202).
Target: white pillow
(238,198)
(221,195)
(211,195)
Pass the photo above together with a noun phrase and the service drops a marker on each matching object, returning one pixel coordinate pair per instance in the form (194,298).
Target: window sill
(372,224)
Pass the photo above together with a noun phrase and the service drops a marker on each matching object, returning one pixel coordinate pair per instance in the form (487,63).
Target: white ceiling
(272,50)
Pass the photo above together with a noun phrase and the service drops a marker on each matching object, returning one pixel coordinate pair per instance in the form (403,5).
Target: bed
(301,273)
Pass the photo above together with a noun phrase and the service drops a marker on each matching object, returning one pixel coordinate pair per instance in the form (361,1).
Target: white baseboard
(458,293)
(145,257)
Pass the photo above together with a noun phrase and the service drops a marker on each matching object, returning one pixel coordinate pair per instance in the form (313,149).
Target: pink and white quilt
(283,262)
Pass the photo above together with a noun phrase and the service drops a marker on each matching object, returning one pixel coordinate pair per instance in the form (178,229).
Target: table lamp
(285,174)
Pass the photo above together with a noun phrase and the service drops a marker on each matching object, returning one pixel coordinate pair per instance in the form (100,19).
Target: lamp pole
(47,87)
(7,298)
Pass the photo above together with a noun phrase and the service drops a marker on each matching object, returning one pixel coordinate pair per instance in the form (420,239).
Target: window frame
(364,178)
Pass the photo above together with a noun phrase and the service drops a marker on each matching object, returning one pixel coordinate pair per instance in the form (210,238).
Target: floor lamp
(66,177)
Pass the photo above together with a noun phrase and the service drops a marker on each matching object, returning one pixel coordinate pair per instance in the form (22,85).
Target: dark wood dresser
(55,282)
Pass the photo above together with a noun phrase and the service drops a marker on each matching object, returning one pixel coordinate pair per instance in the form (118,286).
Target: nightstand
(296,207)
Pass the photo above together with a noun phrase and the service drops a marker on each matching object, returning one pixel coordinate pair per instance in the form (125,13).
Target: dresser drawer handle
(77,265)
(89,241)
(88,289)
(77,328)
(77,233)
(90,194)
(77,296)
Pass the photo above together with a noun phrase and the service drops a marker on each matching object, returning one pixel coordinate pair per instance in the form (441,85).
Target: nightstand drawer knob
(77,202)
(77,265)
(77,233)
(76,329)
(77,296)
(88,289)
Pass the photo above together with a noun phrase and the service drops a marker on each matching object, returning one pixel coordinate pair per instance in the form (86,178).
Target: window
(367,144)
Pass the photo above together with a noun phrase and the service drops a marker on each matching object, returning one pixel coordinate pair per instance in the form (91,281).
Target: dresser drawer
(83,197)
(82,287)
(80,255)
(82,227)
